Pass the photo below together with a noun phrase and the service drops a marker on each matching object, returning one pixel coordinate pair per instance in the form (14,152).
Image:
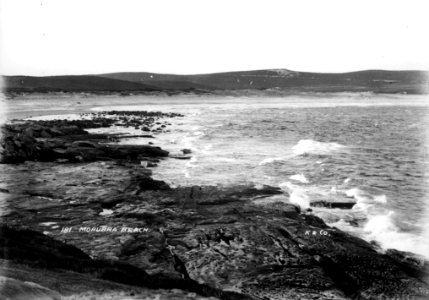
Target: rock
(413,264)
(109,202)
(180,157)
(27,245)
(73,286)
(84,144)
(135,136)
(19,290)
(41,251)
(327,204)
(145,183)
(39,140)
(186,151)
(62,160)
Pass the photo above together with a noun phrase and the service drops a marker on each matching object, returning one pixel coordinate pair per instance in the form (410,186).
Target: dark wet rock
(84,144)
(180,157)
(134,151)
(413,264)
(328,204)
(72,285)
(38,250)
(68,139)
(252,191)
(142,183)
(17,148)
(110,202)
(34,247)
(213,235)
(135,136)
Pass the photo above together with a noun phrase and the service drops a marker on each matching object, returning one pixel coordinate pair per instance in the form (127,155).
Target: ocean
(367,149)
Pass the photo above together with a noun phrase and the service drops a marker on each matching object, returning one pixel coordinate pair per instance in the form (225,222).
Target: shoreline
(219,237)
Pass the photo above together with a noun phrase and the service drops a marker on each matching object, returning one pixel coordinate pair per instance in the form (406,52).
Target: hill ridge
(377,81)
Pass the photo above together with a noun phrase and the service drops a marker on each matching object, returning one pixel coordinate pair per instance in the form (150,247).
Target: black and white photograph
(232,150)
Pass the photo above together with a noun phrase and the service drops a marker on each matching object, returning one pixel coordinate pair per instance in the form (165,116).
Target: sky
(51,37)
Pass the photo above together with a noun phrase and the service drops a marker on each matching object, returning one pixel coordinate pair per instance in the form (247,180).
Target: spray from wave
(309,146)
(299,177)
(297,194)
(382,229)
(379,224)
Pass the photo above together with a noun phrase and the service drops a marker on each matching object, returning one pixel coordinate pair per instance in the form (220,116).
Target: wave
(379,225)
(363,199)
(297,195)
(271,160)
(309,146)
(382,229)
(299,177)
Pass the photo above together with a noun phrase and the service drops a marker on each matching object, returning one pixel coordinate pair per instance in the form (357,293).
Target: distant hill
(378,81)
(84,83)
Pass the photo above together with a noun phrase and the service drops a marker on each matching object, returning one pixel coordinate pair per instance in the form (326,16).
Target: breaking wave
(309,146)
(299,177)
(297,194)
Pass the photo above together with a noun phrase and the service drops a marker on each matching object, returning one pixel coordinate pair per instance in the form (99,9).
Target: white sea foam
(271,160)
(206,149)
(380,199)
(364,197)
(309,146)
(358,195)
(60,117)
(380,225)
(345,226)
(106,212)
(297,195)
(299,177)
(382,229)
(191,163)
(364,200)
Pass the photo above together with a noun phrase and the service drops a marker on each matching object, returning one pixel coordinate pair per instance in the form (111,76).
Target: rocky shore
(82,218)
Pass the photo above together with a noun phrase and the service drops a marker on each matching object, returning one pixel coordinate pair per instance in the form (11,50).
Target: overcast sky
(41,37)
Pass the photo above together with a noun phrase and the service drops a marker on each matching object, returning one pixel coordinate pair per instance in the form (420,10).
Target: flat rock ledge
(69,141)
